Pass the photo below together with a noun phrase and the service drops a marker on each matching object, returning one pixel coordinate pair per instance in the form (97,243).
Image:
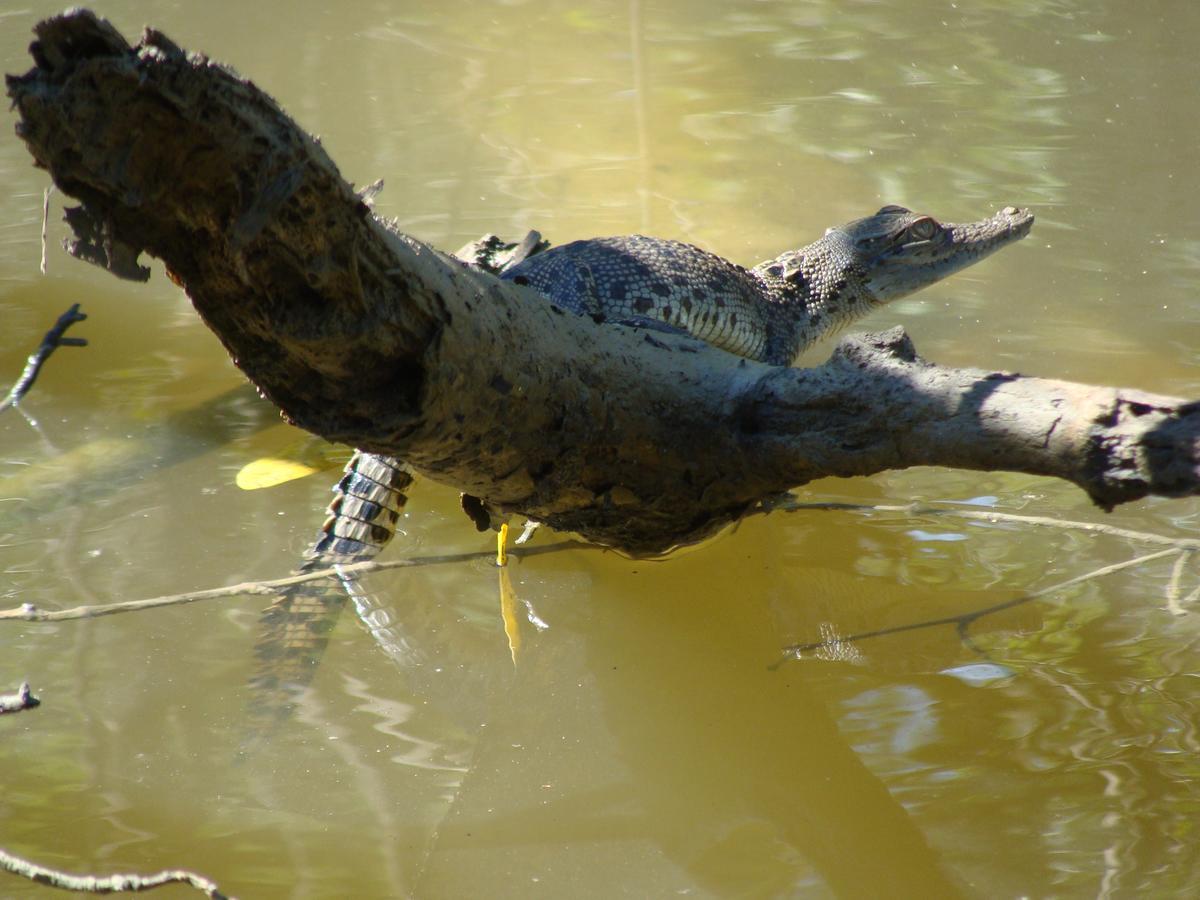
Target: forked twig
(51,342)
(1186,548)
(963,621)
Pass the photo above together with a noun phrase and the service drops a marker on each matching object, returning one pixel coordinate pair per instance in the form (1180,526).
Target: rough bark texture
(634,439)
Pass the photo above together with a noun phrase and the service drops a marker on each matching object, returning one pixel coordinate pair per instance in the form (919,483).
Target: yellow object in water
(502,546)
(269,471)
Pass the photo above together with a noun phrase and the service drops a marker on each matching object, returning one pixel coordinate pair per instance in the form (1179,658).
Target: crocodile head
(863,264)
(897,251)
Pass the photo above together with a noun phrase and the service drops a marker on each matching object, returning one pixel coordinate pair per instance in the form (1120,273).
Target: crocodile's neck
(870,262)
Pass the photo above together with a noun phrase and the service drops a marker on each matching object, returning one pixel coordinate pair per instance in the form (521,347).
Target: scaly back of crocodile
(780,307)
(628,279)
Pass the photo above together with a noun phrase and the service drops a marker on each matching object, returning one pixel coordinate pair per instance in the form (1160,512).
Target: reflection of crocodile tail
(295,628)
(362,519)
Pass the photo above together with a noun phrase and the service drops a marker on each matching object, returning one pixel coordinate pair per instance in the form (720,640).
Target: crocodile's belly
(627,279)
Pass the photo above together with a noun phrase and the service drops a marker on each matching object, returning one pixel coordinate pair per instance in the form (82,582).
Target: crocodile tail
(361,518)
(294,630)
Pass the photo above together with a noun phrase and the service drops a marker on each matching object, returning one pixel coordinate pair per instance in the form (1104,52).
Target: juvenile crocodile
(775,310)
(770,312)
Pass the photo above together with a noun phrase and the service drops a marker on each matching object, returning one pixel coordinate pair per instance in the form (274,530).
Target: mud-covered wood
(641,440)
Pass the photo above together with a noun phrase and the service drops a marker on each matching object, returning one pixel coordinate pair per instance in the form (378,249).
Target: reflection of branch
(27,612)
(1174,605)
(51,342)
(963,621)
(113,884)
(22,699)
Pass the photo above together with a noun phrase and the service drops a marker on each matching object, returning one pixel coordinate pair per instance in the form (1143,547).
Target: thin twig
(27,612)
(23,699)
(51,342)
(110,884)
(913,509)
(45,223)
(963,621)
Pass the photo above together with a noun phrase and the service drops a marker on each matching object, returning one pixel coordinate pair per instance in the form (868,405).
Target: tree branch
(363,335)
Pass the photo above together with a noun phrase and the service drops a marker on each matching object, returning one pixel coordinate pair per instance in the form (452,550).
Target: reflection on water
(642,744)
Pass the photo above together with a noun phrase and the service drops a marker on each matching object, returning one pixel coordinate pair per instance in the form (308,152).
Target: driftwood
(22,700)
(107,884)
(634,439)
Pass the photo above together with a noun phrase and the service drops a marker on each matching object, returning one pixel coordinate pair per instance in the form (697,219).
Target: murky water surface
(642,745)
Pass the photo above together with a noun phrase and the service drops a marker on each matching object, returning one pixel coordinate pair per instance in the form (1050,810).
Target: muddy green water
(642,746)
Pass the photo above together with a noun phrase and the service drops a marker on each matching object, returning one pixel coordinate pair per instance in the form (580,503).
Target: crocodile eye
(923,229)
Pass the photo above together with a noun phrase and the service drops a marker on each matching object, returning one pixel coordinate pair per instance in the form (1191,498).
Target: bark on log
(363,335)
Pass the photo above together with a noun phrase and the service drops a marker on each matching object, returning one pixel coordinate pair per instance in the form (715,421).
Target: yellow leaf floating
(268,471)
(297,460)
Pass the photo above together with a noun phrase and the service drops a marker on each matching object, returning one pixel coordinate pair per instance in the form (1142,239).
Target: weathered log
(363,335)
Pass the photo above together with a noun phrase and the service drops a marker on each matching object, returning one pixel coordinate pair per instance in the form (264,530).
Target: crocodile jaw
(902,269)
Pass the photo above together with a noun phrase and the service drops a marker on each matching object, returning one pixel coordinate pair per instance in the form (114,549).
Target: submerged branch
(109,884)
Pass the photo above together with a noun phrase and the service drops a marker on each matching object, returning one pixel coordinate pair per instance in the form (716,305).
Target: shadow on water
(103,467)
(775,799)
